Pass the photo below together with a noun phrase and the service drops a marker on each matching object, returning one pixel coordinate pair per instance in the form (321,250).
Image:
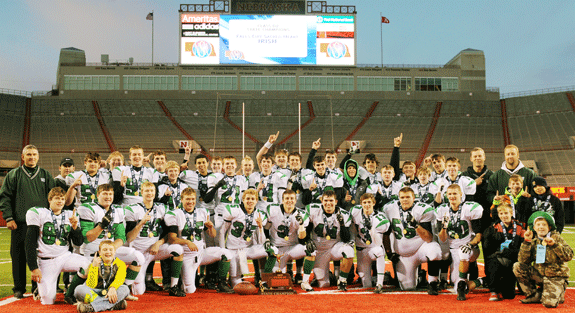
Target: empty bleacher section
(545,103)
(12,114)
(64,126)
(392,117)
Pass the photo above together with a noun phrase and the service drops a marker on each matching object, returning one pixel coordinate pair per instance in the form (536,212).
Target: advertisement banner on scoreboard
(267,39)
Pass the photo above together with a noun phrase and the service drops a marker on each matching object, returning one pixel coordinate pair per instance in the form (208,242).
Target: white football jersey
(338,180)
(135,213)
(326,229)
(176,197)
(86,192)
(231,192)
(241,228)
(266,196)
(91,214)
(407,241)
(435,176)
(292,181)
(459,231)
(284,226)
(191,226)
(368,227)
(390,192)
(132,193)
(467,184)
(329,180)
(369,177)
(54,230)
(424,193)
(199,183)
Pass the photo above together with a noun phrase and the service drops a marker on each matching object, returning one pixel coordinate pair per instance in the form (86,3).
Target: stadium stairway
(234,125)
(105,130)
(363,121)
(427,140)
(571,100)
(27,123)
(504,124)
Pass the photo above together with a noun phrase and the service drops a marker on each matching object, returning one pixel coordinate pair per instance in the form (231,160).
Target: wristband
(268,145)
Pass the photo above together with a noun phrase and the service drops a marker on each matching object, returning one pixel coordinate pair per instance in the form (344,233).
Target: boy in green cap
(542,261)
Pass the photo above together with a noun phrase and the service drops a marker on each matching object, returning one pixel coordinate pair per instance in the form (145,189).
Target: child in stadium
(104,288)
(542,262)
(501,246)
(513,194)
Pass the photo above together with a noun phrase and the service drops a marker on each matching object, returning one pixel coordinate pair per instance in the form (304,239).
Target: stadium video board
(267,39)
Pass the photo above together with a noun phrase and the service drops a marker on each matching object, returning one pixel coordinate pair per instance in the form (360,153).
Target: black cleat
(342,286)
(378,289)
(433,288)
(151,285)
(298,278)
(461,290)
(177,292)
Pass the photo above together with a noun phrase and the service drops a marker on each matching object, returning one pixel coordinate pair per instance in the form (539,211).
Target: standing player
(83,184)
(461,226)
(424,190)
(169,192)
(288,233)
(225,189)
(411,228)
(388,189)
(128,179)
(438,163)
(316,184)
(368,229)
(47,238)
(408,175)
(186,227)
(144,227)
(332,238)
(243,234)
(159,162)
(467,184)
(264,183)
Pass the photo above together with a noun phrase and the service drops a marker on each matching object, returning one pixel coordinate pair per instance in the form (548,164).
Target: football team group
(105,226)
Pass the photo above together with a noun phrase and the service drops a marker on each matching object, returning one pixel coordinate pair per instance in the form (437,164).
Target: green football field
(6,282)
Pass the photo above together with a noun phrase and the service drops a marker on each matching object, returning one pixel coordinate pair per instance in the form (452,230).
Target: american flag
(150,17)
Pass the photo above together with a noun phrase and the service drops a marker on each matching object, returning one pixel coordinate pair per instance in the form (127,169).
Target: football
(245,288)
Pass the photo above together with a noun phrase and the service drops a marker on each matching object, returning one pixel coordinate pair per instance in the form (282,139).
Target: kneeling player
(461,226)
(411,228)
(104,288)
(287,233)
(332,238)
(186,227)
(47,238)
(143,224)
(370,226)
(243,228)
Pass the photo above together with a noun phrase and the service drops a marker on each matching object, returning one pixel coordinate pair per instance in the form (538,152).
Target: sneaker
(298,278)
(433,288)
(461,290)
(70,300)
(224,288)
(18,294)
(342,286)
(177,292)
(378,289)
(131,298)
(495,297)
(122,305)
(534,298)
(85,308)
(35,294)
(153,286)
(305,286)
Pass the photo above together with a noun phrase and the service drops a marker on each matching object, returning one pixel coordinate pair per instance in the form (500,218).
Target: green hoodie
(351,181)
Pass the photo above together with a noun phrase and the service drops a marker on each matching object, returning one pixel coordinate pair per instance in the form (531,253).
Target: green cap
(541,214)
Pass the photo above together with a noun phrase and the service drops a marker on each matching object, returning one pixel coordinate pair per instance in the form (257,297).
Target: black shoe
(18,294)
(314,282)
(70,300)
(151,285)
(223,287)
(342,286)
(378,289)
(422,280)
(35,295)
(443,284)
(177,292)
(461,290)
(298,279)
(333,281)
(211,283)
(433,288)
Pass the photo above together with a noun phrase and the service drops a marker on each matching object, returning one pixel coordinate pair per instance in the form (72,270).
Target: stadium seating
(12,113)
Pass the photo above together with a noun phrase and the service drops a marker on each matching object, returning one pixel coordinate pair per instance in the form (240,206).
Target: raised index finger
(401,136)
(277,134)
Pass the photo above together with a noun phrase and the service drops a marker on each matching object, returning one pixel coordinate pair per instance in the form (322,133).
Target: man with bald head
(512,165)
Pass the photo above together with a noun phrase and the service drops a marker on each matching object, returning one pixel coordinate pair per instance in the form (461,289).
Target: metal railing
(536,92)
(15,92)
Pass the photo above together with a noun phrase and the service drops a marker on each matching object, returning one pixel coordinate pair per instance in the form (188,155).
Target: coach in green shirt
(24,187)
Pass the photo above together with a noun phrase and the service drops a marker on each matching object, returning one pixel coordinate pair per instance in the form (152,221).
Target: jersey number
(411,233)
(49,234)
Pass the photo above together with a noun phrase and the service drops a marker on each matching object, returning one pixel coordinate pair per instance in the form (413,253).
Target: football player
(318,182)
(467,184)
(186,228)
(128,179)
(332,238)
(287,227)
(368,228)
(83,184)
(423,189)
(144,223)
(461,226)
(242,233)
(170,193)
(49,232)
(264,183)
(413,244)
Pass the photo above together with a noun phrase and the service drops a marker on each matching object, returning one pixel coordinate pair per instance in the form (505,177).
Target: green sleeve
(119,232)
(7,196)
(86,227)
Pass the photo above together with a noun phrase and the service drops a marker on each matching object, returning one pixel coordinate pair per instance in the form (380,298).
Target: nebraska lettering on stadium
(268,7)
